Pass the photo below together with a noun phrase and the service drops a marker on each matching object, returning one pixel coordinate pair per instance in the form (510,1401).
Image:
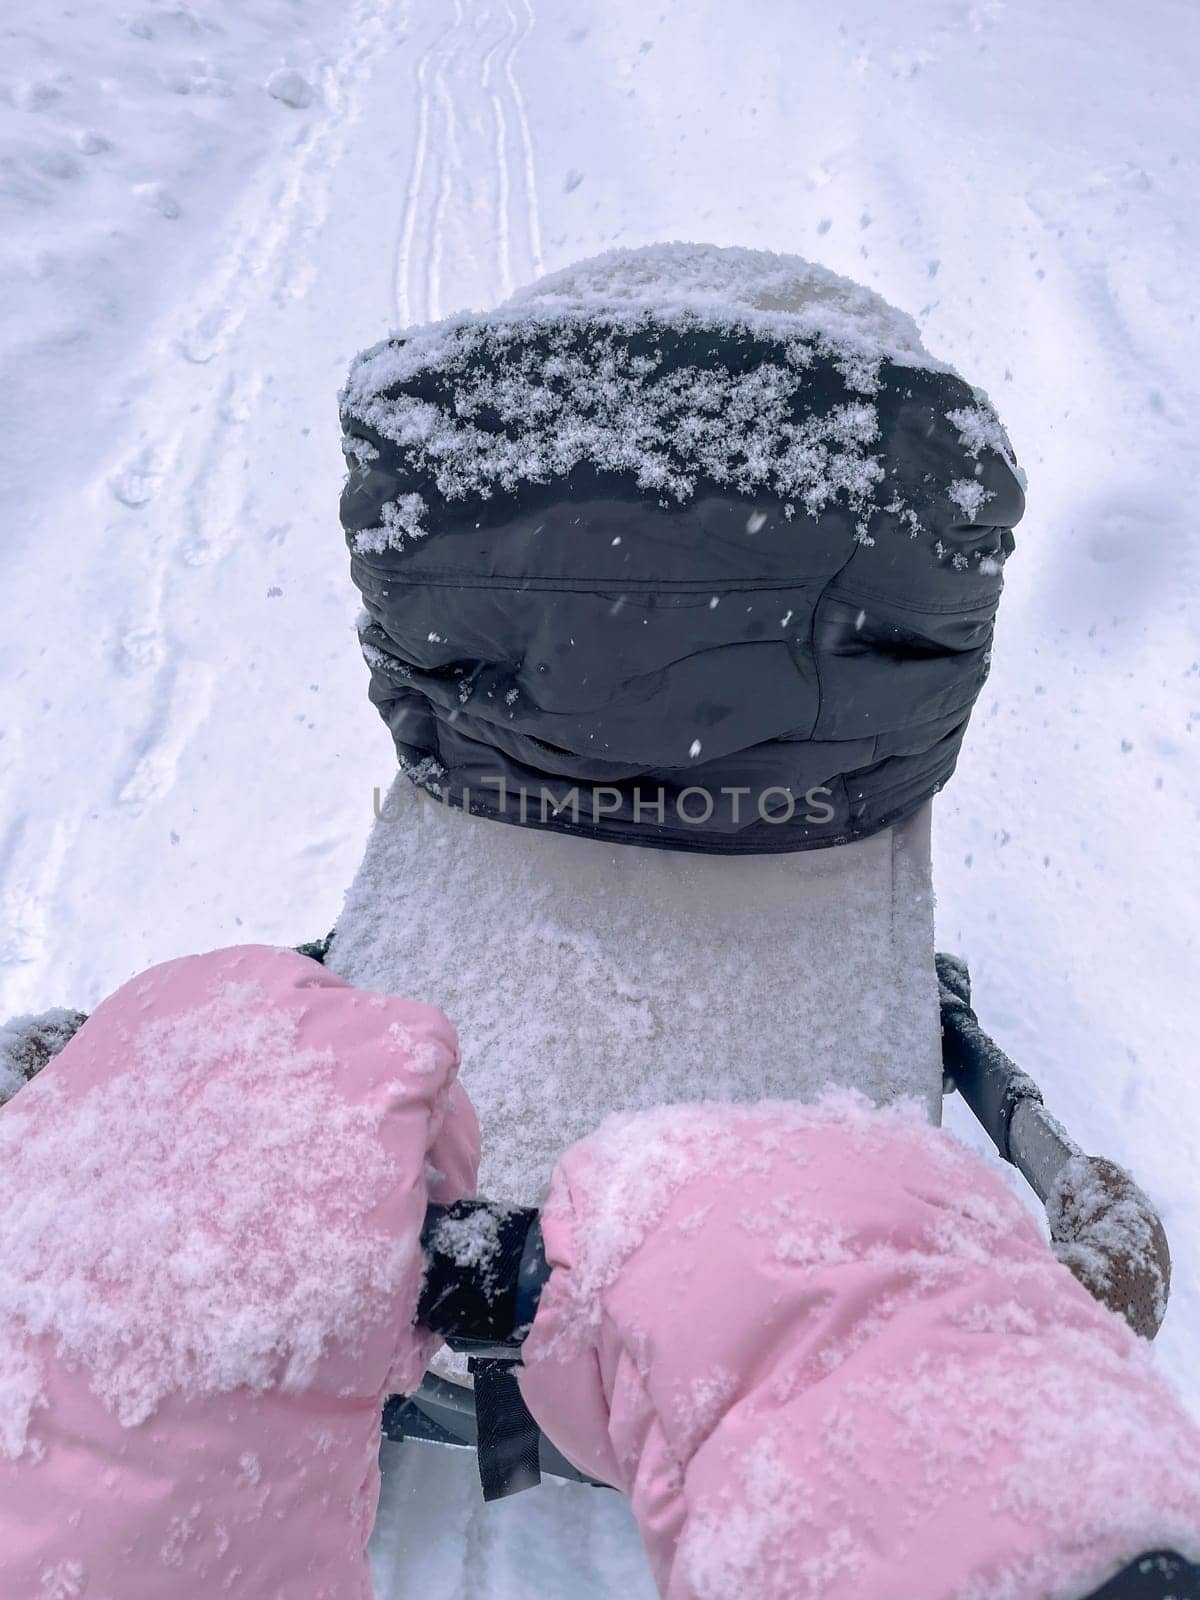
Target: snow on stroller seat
(586,978)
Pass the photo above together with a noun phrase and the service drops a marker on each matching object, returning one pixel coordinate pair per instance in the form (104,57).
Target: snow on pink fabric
(210,1205)
(827,1353)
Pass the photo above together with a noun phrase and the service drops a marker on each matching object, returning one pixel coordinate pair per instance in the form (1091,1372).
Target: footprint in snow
(137,484)
(55,164)
(206,337)
(159,199)
(290,87)
(35,96)
(157,755)
(199,80)
(138,650)
(172,22)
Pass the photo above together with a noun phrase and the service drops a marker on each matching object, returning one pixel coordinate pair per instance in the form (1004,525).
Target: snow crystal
(181,1531)
(20,1389)
(361,451)
(979,428)
(471,1241)
(694,1221)
(819,1244)
(375,657)
(956,558)
(196,1224)
(969,496)
(402,520)
(65,1581)
(421,1056)
(427,773)
(699,1406)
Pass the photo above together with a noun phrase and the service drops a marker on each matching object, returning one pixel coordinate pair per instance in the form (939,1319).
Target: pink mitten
(210,1208)
(827,1352)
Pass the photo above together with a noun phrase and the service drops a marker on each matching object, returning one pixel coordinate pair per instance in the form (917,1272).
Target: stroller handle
(486,1265)
(485,1272)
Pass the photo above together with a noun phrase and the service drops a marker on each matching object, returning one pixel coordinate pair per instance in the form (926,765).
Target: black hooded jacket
(760,664)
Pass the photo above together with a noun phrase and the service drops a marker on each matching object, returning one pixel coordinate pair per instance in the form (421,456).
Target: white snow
(563,374)
(970,497)
(797,304)
(586,978)
(292,87)
(979,428)
(470,1241)
(401,522)
(779,296)
(620,413)
(64,1581)
(186,762)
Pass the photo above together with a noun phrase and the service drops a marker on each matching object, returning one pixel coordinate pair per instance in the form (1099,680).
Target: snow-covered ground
(205,211)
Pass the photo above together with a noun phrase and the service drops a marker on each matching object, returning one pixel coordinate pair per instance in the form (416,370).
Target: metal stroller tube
(1104,1226)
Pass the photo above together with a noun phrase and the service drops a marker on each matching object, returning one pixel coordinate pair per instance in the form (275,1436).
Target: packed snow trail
(174,492)
(472,174)
(190,261)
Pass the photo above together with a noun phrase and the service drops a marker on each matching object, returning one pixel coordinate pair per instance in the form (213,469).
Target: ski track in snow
(454,248)
(176,492)
(533,214)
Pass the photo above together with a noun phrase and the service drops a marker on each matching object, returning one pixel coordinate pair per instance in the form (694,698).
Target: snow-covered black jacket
(683,547)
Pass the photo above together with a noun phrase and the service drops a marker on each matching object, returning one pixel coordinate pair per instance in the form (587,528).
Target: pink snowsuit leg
(827,1353)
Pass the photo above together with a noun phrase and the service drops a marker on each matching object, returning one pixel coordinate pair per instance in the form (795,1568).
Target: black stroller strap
(509,1457)
(485,1267)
